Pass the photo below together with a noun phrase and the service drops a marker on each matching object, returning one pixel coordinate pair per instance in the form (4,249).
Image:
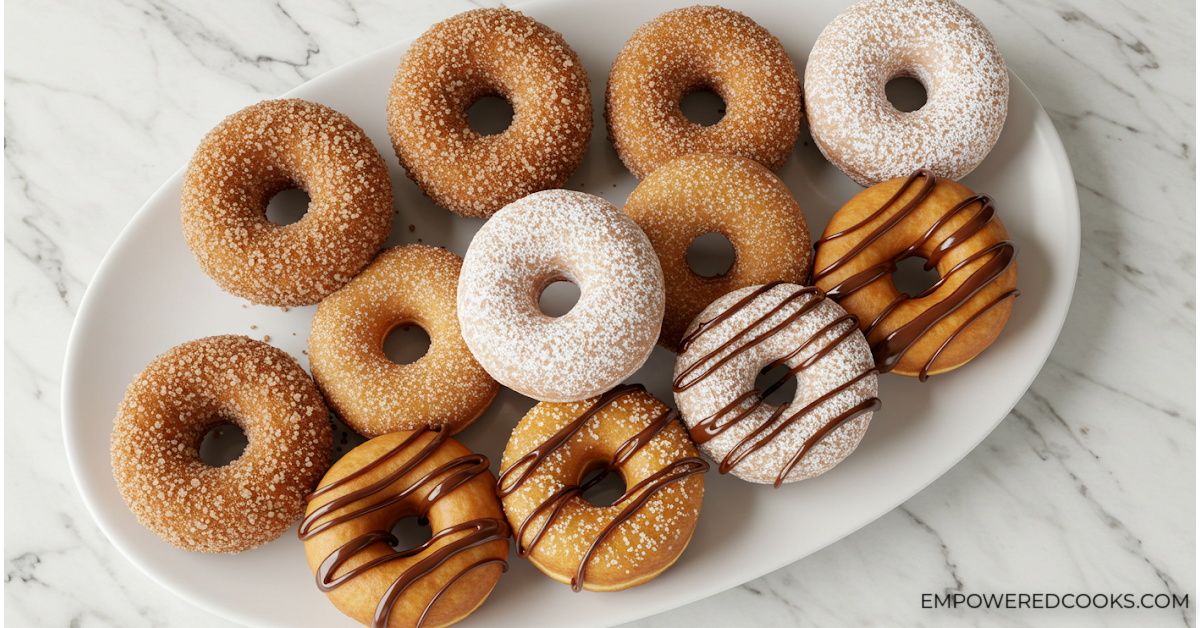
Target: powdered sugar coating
(447,387)
(165,414)
(265,149)
(851,358)
(937,42)
(642,546)
(702,48)
(735,197)
(481,53)
(560,235)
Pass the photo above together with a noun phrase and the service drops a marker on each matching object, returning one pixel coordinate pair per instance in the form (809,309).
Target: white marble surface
(1087,487)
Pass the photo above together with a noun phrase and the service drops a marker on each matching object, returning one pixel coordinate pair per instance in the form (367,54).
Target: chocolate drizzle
(648,487)
(457,472)
(890,350)
(709,427)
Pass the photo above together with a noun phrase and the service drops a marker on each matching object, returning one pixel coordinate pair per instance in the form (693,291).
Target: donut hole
(490,115)
(288,206)
(769,382)
(406,344)
(911,278)
(558,298)
(703,107)
(906,94)
(411,532)
(711,255)
(222,445)
(605,492)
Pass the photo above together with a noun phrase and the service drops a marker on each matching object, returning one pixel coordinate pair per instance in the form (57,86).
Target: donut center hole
(906,94)
(711,255)
(769,382)
(703,107)
(605,492)
(411,532)
(288,206)
(222,445)
(558,298)
(406,344)
(490,115)
(911,278)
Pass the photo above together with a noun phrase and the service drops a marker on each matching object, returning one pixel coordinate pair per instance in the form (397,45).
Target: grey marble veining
(1087,487)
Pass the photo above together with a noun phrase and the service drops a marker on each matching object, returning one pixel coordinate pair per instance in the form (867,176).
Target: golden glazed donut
(446,388)
(560,235)
(955,231)
(694,49)
(261,151)
(348,541)
(489,52)
(174,402)
(936,42)
(756,329)
(644,531)
(735,197)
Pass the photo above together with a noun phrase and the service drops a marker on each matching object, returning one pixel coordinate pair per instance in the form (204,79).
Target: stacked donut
(834,320)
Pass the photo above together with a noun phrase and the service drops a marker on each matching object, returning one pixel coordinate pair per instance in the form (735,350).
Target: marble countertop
(1088,487)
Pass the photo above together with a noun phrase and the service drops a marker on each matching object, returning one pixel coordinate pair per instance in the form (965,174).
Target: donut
(489,52)
(172,404)
(697,49)
(936,42)
(639,535)
(735,197)
(349,545)
(446,388)
(756,329)
(260,151)
(559,235)
(957,232)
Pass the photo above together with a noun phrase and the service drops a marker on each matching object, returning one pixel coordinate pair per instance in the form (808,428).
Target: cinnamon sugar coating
(641,547)
(489,52)
(693,49)
(265,149)
(560,235)
(171,405)
(409,285)
(937,42)
(710,395)
(735,197)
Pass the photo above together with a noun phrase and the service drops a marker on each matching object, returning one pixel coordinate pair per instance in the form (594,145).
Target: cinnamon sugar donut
(550,236)
(348,541)
(955,231)
(446,388)
(644,531)
(489,52)
(936,42)
(735,197)
(260,151)
(174,402)
(756,329)
(694,49)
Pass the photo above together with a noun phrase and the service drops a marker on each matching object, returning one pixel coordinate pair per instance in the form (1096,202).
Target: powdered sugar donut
(560,235)
(936,42)
(756,329)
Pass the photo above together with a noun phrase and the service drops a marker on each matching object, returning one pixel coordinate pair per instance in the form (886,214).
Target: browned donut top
(702,48)
(165,414)
(480,53)
(958,233)
(256,153)
(735,197)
